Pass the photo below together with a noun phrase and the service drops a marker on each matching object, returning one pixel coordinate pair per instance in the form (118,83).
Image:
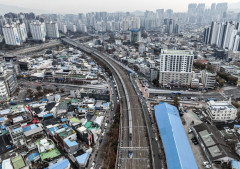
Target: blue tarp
(44,100)
(82,159)
(60,165)
(178,152)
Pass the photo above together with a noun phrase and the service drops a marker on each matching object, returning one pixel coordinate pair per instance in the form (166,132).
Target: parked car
(208,166)
(205,163)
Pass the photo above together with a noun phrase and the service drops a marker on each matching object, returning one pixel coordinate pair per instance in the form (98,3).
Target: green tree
(210,68)
(39,88)
(199,65)
(220,81)
(156,82)
(176,101)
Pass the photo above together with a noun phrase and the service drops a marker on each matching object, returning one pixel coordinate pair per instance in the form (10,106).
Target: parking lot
(197,152)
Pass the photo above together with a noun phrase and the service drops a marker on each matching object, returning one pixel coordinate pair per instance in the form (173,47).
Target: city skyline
(72,6)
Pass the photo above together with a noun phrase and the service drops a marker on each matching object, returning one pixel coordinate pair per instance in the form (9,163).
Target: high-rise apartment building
(38,31)
(175,68)
(8,82)
(52,30)
(223,35)
(11,35)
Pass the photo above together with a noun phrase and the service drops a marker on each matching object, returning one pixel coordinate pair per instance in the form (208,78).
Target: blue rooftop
(71,143)
(53,130)
(47,115)
(30,127)
(235,164)
(44,100)
(2,118)
(236,125)
(32,156)
(60,165)
(178,152)
(17,129)
(134,30)
(65,126)
(6,111)
(64,119)
(82,159)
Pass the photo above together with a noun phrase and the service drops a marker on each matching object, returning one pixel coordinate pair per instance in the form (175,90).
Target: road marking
(132,148)
(135,127)
(134,158)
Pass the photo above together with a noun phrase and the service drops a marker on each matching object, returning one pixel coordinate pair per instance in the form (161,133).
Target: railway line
(134,150)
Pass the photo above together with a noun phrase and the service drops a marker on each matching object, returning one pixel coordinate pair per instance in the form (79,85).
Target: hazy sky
(77,6)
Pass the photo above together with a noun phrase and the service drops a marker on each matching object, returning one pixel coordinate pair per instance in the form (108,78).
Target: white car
(205,163)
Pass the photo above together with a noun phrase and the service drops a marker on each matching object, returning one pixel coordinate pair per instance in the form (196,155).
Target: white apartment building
(72,27)
(63,28)
(221,110)
(3,91)
(208,79)
(22,31)
(175,68)
(52,30)
(11,35)
(38,31)
(8,82)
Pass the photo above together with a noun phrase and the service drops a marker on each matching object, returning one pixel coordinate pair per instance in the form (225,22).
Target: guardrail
(145,117)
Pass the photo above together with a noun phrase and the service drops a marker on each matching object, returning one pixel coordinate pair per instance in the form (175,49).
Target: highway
(133,130)
(34,48)
(37,47)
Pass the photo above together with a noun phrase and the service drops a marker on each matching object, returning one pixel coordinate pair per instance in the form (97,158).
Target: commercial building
(135,35)
(208,79)
(11,35)
(38,31)
(52,30)
(176,146)
(221,110)
(175,68)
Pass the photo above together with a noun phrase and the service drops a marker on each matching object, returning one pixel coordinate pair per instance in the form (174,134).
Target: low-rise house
(70,146)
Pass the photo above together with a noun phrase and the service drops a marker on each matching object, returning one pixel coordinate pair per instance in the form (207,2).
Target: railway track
(134,150)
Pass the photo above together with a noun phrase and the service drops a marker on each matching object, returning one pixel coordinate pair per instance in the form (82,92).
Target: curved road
(139,144)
